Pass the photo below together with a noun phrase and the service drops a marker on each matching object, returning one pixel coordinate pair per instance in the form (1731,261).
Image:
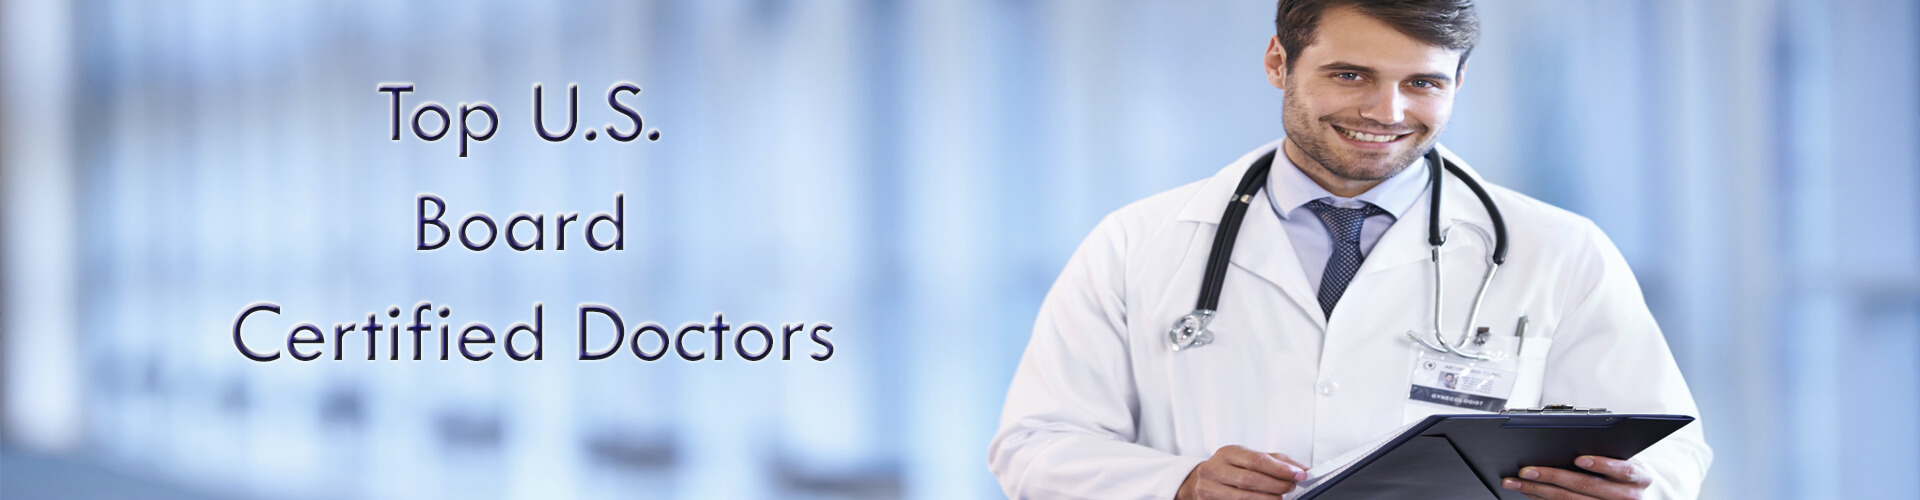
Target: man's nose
(1385,104)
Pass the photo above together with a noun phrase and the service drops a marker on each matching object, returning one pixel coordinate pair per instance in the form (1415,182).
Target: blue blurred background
(914,173)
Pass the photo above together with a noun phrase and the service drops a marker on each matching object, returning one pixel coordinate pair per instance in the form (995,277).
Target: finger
(1544,491)
(1284,458)
(1264,464)
(1248,480)
(1223,492)
(1580,482)
(1625,471)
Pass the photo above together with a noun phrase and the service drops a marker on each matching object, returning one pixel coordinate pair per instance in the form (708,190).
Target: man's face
(1364,101)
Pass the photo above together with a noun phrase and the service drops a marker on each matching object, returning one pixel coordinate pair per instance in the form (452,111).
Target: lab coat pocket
(1532,368)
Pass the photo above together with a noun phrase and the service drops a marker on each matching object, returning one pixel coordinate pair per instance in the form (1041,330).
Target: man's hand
(1619,479)
(1237,472)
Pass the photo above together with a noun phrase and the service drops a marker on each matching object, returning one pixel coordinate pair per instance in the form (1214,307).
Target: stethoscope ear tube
(1191,330)
(1435,237)
(1229,230)
(1493,212)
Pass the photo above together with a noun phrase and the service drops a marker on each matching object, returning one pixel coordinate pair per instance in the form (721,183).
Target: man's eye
(1424,84)
(1347,76)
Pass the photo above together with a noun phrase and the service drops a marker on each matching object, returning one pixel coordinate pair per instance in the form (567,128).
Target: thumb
(1284,458)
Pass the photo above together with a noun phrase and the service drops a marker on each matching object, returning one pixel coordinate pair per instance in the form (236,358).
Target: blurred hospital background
(913,172)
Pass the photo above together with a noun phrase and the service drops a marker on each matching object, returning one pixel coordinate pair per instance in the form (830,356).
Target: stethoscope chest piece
(1190,331)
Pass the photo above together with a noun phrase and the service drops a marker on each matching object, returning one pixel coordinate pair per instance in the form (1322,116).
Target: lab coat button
(1327,387)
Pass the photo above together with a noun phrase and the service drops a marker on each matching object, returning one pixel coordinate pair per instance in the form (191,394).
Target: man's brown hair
(1440,23)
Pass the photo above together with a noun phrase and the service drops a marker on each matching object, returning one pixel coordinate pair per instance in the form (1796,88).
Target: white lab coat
(1100,407)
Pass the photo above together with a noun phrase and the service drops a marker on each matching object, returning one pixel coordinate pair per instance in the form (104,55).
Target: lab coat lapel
(1265,250)
(1262,247)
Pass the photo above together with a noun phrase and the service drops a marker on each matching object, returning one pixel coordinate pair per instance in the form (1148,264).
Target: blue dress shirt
(1289,190)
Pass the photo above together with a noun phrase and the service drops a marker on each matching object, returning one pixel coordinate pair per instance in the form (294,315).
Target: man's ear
(1276,63)
(1460,76)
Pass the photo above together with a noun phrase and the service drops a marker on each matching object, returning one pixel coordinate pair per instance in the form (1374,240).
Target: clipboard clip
(1555,410)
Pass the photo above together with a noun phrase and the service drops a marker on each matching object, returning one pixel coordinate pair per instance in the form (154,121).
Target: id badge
(1448,380)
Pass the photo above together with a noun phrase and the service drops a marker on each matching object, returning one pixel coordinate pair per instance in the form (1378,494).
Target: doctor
(1308,353)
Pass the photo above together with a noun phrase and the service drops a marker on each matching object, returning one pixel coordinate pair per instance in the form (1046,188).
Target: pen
(1521,331)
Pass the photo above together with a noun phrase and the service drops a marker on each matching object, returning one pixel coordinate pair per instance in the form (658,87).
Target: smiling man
(1303,352)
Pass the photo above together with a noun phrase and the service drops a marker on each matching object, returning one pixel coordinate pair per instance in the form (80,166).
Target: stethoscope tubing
(1191,330)
(1229,231)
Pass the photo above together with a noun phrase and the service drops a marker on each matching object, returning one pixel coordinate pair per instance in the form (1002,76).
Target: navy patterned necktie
(1344,261)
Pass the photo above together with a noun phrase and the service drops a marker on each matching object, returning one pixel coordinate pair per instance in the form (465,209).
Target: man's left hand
(1618,479)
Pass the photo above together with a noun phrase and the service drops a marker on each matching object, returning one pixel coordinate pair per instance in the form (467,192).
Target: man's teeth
(1362,137)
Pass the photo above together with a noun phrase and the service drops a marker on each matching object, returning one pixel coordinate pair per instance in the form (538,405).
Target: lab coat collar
(1264,249)
(1207,205)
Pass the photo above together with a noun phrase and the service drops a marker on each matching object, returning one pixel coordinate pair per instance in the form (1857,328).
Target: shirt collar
(1288,188)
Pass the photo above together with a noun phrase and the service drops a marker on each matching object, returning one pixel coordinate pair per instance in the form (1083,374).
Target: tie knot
(1344,222)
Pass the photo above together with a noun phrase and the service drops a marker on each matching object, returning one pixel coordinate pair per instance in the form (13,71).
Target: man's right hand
(1236,472)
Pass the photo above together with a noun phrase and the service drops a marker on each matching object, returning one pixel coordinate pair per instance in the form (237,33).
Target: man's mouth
(1368,137)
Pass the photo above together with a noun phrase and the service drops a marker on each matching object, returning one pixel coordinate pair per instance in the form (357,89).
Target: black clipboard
(1466,456)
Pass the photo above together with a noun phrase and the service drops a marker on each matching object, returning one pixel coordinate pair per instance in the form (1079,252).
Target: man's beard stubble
(1300,130)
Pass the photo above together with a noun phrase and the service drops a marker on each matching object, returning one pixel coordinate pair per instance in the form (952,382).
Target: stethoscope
(1190,331)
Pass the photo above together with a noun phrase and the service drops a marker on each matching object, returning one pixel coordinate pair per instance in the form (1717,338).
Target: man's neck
(1341,187)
